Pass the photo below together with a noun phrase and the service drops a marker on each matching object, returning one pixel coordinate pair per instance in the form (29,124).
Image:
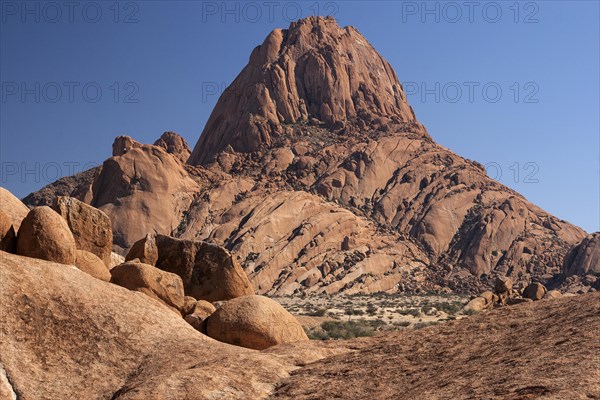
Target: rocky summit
(171,273)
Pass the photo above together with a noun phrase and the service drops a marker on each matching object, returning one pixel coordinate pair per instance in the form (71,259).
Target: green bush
(347,329)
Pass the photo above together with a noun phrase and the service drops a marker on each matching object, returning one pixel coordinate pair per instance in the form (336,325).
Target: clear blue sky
(157,65)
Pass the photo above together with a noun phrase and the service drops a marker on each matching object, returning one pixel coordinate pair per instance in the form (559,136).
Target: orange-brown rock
(585,257)
(545,350)
(313,69)
(208,271)
(151,281)
(534,291)
(201,311)
(338,190)
(66,335)
(92,265)
(174,144)
(144,250)
(144,190)
(45,234)
(8,238)
(255,322)
(123,144)
(90,227)
(13,208)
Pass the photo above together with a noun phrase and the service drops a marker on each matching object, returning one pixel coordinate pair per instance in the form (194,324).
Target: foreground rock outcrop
(66,335)
(503,354)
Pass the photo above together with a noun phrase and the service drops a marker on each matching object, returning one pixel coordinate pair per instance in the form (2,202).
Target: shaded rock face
(112,343)
(585,257)
(314,69)
(144,190)
(151,281)
(8,237)
(255,322)
(208,271)
(78,186)
(91,227)
(44,234)
(174,144)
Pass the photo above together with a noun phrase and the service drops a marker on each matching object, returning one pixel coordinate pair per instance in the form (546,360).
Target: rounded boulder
(535,291)
(255,322)
(44,234)
(92,265)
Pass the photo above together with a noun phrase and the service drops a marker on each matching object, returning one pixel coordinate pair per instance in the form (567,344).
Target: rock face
(14,209)
(8,237)
(208,271)
(313,69)
(143,190)
(111,343)
(255,322)
(313,172)
(174,144)
(91,265)
(585,257)
(90,227)
(45,235)
(151,281)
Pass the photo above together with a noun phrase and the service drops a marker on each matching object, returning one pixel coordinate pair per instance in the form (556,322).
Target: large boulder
(8,238)
(144,250)
(91,227)
(66,335)
(208,271)
(159,285)
(534,291)
(584,258)
(92,265)
(476,305)
(45,235)
(13,207)
(503,285)
(255,322)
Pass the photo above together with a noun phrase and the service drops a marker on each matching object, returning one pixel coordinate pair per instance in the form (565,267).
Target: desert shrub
(354,311)
(402,323)
(421,325)
(371,309)
(448,308)
(410,311)
(347,329)
(319,312)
